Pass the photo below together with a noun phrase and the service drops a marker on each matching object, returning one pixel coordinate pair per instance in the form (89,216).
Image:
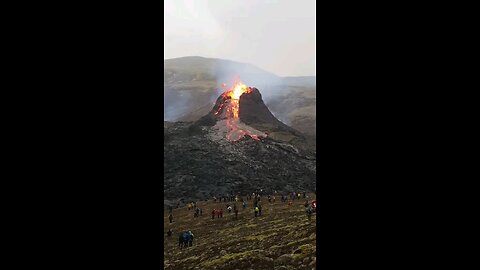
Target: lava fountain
(231,106)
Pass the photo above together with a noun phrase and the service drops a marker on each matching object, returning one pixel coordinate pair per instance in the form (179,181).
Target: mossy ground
(246,242)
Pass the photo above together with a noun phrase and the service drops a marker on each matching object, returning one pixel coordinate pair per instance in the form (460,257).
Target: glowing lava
(237,90)
(236,129)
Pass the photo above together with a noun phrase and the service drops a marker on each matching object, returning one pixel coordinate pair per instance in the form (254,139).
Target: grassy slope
(246,243)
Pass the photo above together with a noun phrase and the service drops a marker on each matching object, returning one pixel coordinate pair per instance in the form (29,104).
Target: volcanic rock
(253,110)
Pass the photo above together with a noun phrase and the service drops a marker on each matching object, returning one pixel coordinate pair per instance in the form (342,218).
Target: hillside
(282,238)
(192,84)
(199,164)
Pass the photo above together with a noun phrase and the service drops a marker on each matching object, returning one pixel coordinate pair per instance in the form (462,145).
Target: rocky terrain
(282,238)
(199,166)
(192,84)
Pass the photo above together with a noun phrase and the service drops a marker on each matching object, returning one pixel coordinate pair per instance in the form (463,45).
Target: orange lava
(234,93)
(233,110)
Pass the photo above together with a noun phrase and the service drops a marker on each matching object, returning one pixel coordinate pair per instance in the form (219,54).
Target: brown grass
(246,243)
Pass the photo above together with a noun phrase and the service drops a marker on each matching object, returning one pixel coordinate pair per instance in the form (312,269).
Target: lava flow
(236,129)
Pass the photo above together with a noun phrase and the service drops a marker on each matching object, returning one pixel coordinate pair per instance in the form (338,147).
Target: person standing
(181,240)
(309,212)
(189,238)
(170,217)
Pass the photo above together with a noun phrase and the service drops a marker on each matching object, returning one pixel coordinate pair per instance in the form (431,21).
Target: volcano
(239,146)
(240,111)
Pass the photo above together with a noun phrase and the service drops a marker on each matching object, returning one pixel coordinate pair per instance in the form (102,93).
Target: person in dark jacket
(189,238)
(309,212)
(170,217)
(181,241)
(259,209)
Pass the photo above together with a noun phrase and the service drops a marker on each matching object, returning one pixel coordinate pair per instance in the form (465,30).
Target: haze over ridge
(275,36)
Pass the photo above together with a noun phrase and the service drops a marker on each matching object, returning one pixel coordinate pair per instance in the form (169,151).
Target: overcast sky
(277,36)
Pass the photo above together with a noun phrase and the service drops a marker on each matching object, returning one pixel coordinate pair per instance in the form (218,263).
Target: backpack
(256,209)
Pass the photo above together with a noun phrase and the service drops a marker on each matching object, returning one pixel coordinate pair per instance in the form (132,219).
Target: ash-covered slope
(200,161)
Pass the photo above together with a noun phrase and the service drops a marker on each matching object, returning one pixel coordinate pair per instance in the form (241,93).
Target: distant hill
(192,84)
(195,67)
(306,81)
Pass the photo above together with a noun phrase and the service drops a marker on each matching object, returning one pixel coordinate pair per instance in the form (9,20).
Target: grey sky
(278,36)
